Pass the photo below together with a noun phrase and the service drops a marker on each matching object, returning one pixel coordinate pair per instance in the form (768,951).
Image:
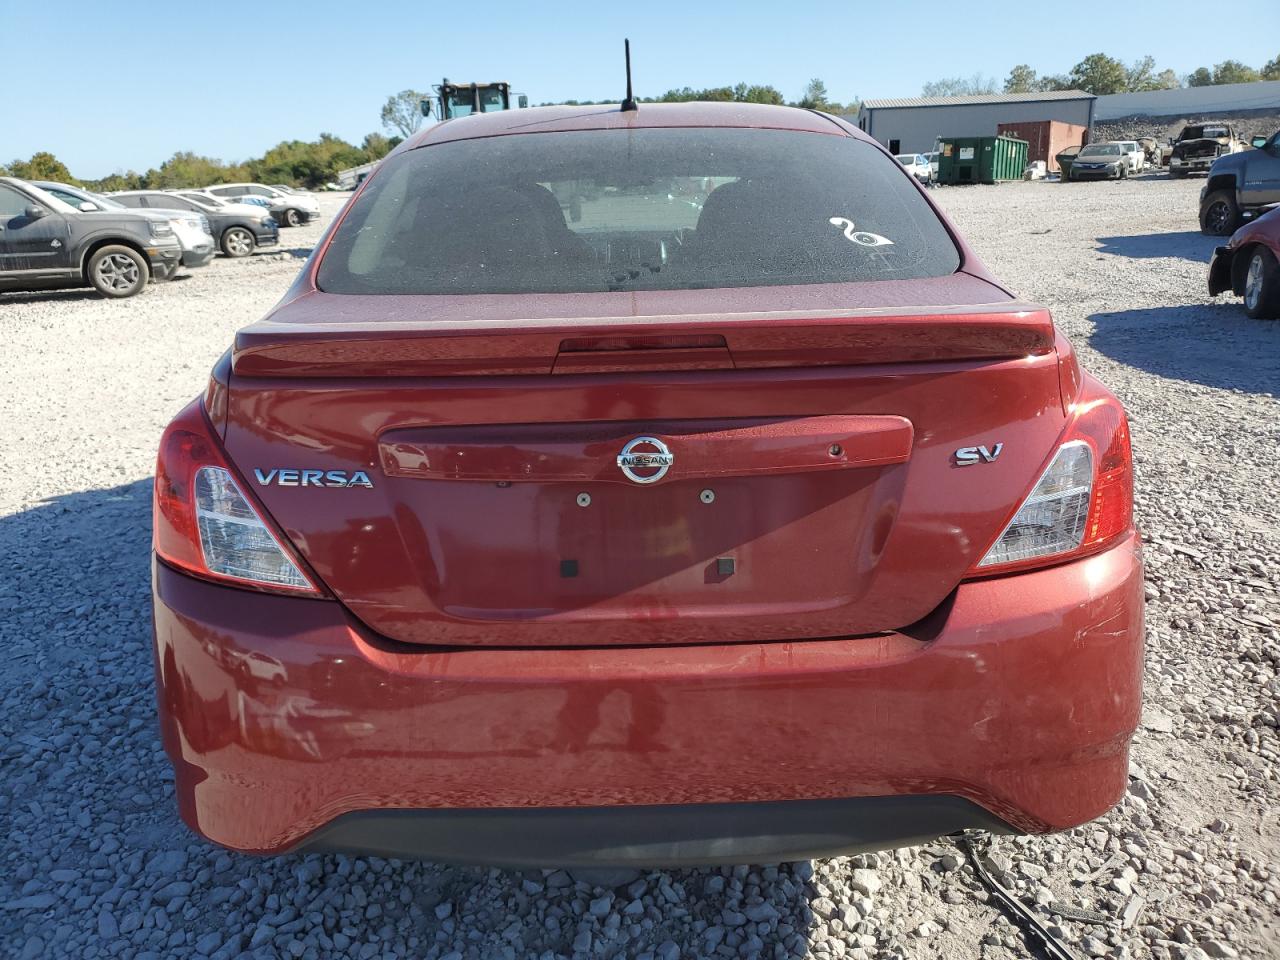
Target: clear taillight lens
(205,524)
(1082,503)
(1052,519)
(234,540)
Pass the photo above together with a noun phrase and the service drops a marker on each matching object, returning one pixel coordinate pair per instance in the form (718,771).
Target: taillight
(205,524)
(1081,503)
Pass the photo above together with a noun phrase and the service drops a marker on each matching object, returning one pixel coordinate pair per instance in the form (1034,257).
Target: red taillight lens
(1081,503)
(206,524)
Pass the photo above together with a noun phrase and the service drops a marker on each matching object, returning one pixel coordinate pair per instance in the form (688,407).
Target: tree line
(299,163)
(1101,74)
(313,163)
(815,97)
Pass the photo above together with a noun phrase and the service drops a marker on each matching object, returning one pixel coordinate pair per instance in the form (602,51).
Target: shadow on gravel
(51,296)
(94,862)
(1213,344)
(1187,245)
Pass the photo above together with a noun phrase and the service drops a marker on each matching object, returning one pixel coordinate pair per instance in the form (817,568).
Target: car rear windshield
(656,209)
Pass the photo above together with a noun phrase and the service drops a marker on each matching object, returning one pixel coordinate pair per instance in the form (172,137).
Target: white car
(1137,156)
(933,163)
(917,164)
(290,208)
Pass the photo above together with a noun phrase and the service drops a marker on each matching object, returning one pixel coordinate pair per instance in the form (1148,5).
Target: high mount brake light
(1080,504)
(205,523)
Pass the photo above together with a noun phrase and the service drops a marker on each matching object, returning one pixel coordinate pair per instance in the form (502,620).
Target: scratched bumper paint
(280,714)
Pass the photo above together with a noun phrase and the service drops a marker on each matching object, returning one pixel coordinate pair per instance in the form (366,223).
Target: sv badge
(968,456)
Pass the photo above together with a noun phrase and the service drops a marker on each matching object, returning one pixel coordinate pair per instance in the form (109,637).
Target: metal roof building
(911,125)
(1228,99)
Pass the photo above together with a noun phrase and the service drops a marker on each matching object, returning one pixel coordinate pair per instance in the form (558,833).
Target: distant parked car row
(59,235)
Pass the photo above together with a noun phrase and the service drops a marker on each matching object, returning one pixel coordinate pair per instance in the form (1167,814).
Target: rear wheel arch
(1240,267)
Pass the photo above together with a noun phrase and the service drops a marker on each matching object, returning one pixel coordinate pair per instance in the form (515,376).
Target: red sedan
(1249,266)
(662,486)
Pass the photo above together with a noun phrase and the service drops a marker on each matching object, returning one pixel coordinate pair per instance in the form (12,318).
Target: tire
(292,218)
(117,271)
(1176,174)
(1219,215)
(1124,172)
(237,242)
(1262,286)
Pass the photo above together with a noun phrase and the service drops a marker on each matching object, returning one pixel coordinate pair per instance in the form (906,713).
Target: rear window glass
(654,209)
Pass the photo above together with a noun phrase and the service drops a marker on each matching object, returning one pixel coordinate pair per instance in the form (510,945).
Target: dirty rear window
(652,209)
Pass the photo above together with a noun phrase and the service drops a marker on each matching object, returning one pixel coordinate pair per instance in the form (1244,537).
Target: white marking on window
(862,238)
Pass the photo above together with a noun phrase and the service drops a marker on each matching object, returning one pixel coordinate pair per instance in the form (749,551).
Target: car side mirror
(34,212)
(87,206)
(425,107)
(523,100)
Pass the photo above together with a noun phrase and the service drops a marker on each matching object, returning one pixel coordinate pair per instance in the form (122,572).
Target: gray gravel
(94,862)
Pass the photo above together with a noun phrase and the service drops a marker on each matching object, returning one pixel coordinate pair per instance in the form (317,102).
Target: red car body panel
(790,614)
(1227,267)
(1028,714)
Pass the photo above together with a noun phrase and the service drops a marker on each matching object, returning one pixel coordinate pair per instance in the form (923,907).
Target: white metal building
(1227,99)
(912,125)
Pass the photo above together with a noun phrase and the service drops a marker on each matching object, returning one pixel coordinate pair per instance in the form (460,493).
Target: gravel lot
(95,862)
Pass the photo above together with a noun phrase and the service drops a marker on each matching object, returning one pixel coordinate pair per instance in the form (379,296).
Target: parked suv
(236,230)
(290,208)
(47,243)
(190,227)
(653,487)
(1240,185)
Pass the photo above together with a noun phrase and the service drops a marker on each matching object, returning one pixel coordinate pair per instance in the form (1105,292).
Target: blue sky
(108,92)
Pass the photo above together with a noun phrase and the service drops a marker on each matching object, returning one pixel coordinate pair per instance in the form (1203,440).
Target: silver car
(290,208)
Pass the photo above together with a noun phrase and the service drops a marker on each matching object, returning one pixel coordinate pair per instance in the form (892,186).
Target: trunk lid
(803,483)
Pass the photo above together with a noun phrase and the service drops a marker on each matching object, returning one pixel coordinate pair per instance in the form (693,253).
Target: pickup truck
(1240,185)
(1199,145)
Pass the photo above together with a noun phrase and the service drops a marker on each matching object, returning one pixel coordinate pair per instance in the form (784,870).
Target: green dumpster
(980,159)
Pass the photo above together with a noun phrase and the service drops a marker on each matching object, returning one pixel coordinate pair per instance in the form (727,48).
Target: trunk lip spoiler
(416,347)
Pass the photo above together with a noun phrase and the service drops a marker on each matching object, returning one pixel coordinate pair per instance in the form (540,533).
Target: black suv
(46,243)
(237,234)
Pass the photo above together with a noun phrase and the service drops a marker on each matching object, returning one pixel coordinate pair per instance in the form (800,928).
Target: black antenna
(629,103)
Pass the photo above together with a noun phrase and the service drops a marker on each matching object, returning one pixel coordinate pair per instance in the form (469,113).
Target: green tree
(814,96)
(1142,75)
(42,166)
(306,163)
(1100,74)
(1271,69)
(187,169)
(402,113)
(758,93)
(959,86)
(1167,80)
(116,181)
(1021,79)
(1200,77)
(1233,71)
(375,146)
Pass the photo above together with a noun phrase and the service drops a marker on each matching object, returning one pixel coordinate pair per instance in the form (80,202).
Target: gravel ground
(95,862)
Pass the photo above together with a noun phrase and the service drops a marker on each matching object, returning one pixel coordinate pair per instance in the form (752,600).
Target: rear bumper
(1220,270)
(291,727)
